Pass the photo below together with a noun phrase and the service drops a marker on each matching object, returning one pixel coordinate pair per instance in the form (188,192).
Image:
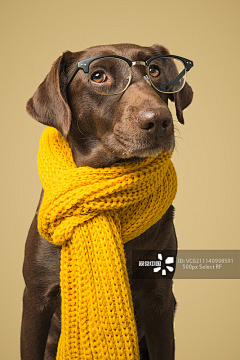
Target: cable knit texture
(92,213)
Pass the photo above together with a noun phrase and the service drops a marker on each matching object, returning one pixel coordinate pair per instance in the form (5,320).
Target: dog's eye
(154,70)
(99,77)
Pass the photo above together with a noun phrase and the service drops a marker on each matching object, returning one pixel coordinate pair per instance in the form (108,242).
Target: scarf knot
(92,213)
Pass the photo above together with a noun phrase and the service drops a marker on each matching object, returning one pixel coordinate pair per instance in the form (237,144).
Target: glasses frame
(84,65)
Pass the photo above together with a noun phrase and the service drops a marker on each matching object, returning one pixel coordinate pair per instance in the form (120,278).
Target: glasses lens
(167,75)
(109,75)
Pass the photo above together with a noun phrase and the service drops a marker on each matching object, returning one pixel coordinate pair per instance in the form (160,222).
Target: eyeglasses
(112,74)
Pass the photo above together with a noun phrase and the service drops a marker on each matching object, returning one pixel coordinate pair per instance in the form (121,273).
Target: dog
(102,130)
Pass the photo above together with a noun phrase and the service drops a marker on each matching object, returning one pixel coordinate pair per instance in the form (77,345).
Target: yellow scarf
(92,213)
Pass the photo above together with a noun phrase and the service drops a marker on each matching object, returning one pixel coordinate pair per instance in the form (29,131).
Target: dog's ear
(49,103)
(182,99)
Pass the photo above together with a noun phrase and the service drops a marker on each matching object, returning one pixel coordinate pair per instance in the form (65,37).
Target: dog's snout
(154,120)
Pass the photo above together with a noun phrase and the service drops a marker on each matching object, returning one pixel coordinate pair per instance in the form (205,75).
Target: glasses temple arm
(75,70)
(174,82)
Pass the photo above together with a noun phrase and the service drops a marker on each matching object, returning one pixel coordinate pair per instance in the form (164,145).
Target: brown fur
(102,130)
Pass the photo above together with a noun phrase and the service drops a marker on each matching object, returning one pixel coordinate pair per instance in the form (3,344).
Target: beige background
(33,35)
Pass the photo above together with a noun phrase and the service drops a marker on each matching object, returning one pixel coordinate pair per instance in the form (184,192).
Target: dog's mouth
(127,148)
(143,135)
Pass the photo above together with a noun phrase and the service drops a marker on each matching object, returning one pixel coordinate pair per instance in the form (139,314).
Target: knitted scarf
(92,213)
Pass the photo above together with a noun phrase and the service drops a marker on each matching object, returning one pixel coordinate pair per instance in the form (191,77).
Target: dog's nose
(154,121)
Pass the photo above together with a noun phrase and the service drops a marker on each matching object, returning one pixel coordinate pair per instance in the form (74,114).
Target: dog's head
(103,129)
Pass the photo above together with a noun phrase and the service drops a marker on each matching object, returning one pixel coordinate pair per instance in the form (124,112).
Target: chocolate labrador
(133,123)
